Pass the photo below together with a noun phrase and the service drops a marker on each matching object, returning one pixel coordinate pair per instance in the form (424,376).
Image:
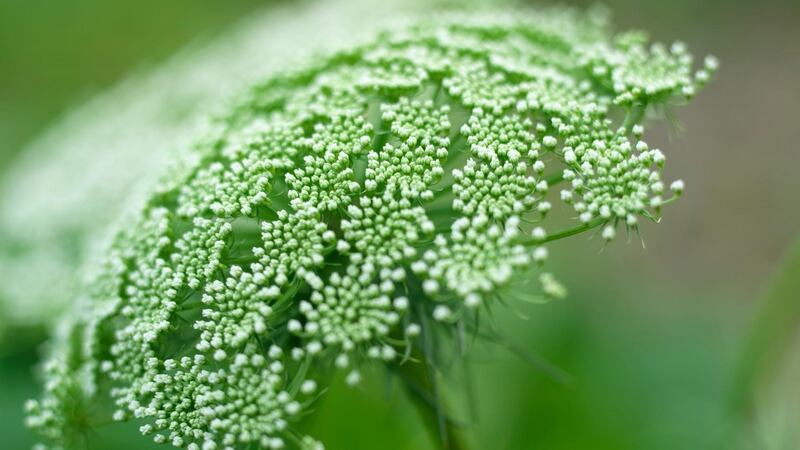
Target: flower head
(340,206)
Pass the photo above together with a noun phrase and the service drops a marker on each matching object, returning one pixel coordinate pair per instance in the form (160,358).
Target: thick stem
(420,385)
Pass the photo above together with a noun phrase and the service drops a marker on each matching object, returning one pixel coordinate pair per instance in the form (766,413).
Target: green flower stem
(419,384)
(568,232)
(634,116)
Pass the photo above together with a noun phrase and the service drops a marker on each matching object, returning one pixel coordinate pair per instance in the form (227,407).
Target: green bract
(345,207)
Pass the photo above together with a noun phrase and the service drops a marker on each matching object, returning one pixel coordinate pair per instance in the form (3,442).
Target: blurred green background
(665,345)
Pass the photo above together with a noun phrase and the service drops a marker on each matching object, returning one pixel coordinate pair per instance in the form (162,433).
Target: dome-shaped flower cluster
(341,205)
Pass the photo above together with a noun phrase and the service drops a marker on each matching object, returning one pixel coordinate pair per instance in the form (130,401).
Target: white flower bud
(677,187)
(353,378)
(472,300)
(442,313)
(540,254)
(308,387)
(608,232)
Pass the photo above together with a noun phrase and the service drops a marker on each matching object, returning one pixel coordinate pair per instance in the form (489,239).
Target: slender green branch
(568,232)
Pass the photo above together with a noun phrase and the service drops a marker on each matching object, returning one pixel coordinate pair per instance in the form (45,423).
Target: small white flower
(353,378)
(442,313)
(413,330)
(540,254)
(308,387)
(472,300)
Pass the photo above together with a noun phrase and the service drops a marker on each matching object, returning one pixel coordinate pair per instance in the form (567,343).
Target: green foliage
(363,208)
(764,382)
